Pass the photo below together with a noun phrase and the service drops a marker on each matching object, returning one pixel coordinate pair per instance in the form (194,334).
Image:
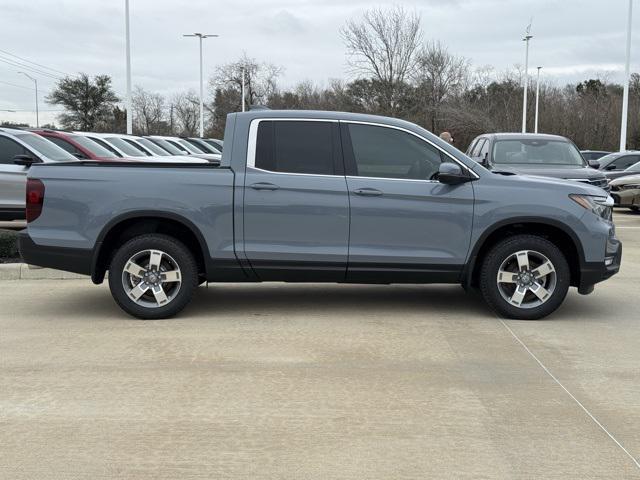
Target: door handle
(368,192)
(264,186)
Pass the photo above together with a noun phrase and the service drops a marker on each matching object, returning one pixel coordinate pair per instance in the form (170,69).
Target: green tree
(88,102)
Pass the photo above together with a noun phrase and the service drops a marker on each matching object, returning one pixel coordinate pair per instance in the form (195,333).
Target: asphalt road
(320,382)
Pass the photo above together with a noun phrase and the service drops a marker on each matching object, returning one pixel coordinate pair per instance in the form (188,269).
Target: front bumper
(626,198)
(76,260)
(594,272)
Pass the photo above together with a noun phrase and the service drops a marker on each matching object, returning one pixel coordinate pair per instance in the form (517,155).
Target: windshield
(168,146)
(125,147)
(149,145)
(46,148)
(215,144)
(536,152)
(604,161)
(634,168)
(95,148)
(190,147)
(205,147)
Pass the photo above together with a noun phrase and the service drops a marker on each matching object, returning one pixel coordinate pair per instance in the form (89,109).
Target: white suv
(19,149)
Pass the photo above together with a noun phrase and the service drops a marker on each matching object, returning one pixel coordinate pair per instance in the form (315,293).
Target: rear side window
(296,147)
(64,145)
(9,149)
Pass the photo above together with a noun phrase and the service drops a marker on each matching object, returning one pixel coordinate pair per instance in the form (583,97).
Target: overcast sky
(573,39)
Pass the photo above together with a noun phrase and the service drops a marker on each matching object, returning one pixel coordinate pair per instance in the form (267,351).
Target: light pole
(200,37)
(526,39)
(128,48)
(35,82)
(537,98)
(242,88)
(625,95)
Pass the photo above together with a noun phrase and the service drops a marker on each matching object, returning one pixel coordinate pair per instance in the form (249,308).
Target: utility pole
(200,37)
(625,95)
(35,82)
(526,39)
(537,98)
(128,47)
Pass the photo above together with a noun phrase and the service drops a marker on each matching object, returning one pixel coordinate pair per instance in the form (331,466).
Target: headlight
(601,206)
(630,186)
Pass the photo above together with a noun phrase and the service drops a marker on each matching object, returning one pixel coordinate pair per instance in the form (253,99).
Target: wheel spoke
(134,269)
(158,292)
(543,270)
(523,260)
(155,257)
(171,276)
(539,291)
(137,291)
(518,296)
(506,277)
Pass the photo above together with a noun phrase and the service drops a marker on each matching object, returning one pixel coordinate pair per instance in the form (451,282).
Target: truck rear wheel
(153,276)
(524,277)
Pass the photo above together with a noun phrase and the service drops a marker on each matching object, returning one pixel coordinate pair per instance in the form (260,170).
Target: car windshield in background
(95,148)
(608,159)
(536,152)
(149,145)
(190,147)
(215,145)
(169,147)
(125,147)
(46,148)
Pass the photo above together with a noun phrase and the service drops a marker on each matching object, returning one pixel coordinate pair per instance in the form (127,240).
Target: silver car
(20,149)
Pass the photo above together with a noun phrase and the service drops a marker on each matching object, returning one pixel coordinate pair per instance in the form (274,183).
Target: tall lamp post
(200,37)
(537,99)
(35,82)
(128,49)
(526,39)
(625,94)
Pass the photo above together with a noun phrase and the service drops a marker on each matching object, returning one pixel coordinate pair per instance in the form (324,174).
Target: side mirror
(610,167)
(80,156)
(594,164)
(25,160)
(451,174)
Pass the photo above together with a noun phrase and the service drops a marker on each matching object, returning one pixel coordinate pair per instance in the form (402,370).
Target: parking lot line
(602,427)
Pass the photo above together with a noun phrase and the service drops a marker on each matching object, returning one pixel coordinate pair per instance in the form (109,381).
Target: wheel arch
(126,226)
(557,232)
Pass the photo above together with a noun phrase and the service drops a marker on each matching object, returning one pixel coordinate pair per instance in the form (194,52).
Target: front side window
(478,147)
(46,148)
(149,145)
(634,168)
(536,152)
(125,147)
(295,147)
(391,153)
(625,162)
(94,147)
(9,149)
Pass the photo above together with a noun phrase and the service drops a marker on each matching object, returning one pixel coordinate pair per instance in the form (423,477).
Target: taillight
(35,198)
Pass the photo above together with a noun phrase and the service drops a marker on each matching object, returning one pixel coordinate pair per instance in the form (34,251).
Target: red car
(79,146)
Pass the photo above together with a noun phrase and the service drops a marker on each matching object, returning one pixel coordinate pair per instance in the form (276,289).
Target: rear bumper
(594,272)
(76,260)
(9,214)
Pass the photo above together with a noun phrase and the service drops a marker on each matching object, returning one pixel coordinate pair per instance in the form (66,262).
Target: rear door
(12,176)
(405,225)
(296,206)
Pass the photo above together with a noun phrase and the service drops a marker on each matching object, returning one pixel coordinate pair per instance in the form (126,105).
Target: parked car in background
(534,154)
(81,147)
(632,170)
(618,161)
(593,154)
(626,192)
(203,145)
(308,196)
(219,144)
(19,149)
(182,146)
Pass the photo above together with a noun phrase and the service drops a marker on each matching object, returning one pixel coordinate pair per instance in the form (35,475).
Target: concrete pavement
(318,382)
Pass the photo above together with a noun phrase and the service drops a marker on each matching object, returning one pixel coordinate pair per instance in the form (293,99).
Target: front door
(296,206)
(405,225)
(13,179)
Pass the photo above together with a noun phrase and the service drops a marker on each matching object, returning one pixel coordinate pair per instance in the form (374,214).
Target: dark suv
(535,154)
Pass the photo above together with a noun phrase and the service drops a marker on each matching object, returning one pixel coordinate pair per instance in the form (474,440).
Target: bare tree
(148,112)
(383,46)
(185,113)
(439,75)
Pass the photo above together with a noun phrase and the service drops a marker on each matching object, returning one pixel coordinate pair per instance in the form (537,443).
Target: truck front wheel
(153,276)
(524,277)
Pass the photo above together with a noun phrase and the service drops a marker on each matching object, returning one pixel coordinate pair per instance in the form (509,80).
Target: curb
(22,271)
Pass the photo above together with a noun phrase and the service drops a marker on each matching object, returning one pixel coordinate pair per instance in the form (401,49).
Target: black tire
(500,253)
(177,252)
(634,209)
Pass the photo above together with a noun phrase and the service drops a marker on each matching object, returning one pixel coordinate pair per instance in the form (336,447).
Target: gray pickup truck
(302,196)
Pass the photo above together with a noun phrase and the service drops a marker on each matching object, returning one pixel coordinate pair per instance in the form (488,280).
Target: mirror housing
(451,174)
(80,156)
(610,167)
(594,164)
(25,160)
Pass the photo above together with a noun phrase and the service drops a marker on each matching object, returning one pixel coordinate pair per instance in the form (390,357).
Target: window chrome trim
(253,138)
(383,125)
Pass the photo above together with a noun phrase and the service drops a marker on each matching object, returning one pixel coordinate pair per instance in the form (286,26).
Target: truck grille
(598,182)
